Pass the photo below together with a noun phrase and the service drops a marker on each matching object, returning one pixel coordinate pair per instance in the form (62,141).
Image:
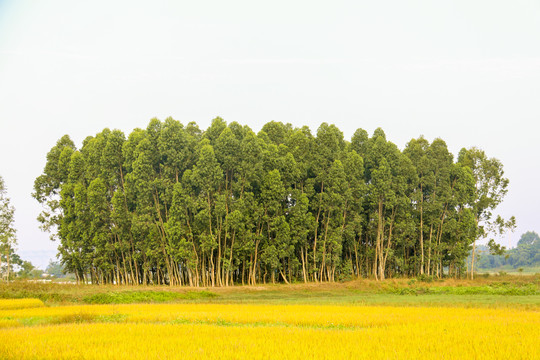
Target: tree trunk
(284,277)
(429,251)
(323,262)
(303,264)
(230,259)
(380,237)
(422,229)
(474,250)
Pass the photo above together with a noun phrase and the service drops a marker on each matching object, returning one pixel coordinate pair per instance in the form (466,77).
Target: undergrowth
(130,297)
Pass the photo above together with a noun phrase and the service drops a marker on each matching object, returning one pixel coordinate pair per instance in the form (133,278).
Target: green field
(490,291)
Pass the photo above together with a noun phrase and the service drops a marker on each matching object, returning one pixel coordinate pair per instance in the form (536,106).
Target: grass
(492,291)
(58,294)
(148,296)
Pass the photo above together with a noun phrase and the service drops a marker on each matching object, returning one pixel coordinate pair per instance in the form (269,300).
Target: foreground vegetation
(171,204)
(250,331)
(491,317)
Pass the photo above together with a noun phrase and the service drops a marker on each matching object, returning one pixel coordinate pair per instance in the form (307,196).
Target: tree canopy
(171,204)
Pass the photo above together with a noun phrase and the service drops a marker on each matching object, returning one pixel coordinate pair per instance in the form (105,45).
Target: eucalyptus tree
(278,133)
(301,223)
(215,129)
(250,162)
(142,201)
(403,181)
(416,150)
(173,144)
(75,246)
(440,200)
(300,144)
(431,195)
(328,147)
(275,236)
(47,186)
(335,203)
(226,146)
(207,176)
(490,189)
(179,227)
(381,162)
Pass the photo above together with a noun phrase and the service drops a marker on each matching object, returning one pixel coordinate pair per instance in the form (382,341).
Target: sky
(465,71)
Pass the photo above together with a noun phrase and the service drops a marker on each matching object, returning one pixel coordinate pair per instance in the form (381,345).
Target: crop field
(257,331)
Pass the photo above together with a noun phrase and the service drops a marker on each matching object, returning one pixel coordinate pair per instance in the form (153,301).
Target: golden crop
(220,331)
(9,304)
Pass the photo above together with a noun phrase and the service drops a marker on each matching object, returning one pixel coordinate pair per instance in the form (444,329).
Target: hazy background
(466,71)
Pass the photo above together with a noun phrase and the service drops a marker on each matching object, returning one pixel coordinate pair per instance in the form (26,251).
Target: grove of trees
(172,204)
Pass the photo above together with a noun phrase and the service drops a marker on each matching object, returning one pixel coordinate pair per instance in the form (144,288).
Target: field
(489,318)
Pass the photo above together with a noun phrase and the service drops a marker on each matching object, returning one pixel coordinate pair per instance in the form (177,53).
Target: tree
(490,188)
(55,269)
(7,231)
(47,186)
(416,150)
(529,238)
(26,269)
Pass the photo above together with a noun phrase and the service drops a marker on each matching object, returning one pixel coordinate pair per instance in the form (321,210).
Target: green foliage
(55,269)
(525,255)
(425,278)
(496,249)
(171,204)
(529,238)
(7,234)
(495,289)
(129,297)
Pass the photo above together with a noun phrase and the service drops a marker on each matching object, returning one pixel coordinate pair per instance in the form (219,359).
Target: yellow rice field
(246,331)
(10,304)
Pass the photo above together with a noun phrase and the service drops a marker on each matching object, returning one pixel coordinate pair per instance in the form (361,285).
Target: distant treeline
(526,254)
(172,204)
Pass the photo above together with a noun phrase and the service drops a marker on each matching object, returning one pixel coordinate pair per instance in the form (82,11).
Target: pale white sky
(466,71)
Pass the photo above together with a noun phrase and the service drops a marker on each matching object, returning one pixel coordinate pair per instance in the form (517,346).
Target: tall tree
(7,230)
(490,188)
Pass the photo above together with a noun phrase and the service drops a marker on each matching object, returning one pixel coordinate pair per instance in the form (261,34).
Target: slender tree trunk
(323,262)
(356,269)
(316,232)
(254,273)
(7,260)
(380,238)
(243,270)
(429,251)
(474,251)
(230,259)
(390,233)
(422,230)
(283,276)
(303,264)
